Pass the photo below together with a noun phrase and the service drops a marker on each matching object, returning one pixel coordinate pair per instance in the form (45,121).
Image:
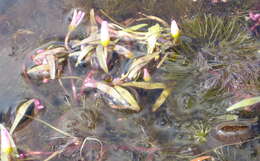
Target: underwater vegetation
(116,105)
(222,47)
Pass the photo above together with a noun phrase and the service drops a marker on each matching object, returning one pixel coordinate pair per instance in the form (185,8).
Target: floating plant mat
(141,91)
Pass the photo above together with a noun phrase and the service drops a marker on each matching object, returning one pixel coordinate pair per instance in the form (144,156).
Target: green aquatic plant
(222,48)
(200,130)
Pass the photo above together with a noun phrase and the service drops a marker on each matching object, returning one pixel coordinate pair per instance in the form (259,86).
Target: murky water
(171,133)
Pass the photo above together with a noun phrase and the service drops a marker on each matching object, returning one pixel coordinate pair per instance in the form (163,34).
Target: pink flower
(254,16)
(37,104)
(76,19)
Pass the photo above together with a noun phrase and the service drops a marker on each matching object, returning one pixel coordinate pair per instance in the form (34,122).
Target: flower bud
(104,34)
(175,31)
(146,76)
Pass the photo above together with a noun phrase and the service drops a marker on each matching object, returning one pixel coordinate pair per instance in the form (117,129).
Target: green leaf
(134,28)
(101,53)
(145,85)
(121,50)
(244,103)
(21,111)
(83,53)
(161,99)
(52,66)
(152,35)
(127,96)
(138,64)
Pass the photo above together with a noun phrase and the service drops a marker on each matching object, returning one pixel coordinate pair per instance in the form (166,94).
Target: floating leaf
(244,103)
(39,71)
(93,24)
(108,90)
(149,85)
(121,50)
(92,39)
(101,53)
(134,28)
(128,97)
(21,111)
(138,64)
(52,65)
(84,53)
(152,35)
(120,94)
(161,99)
(8,148)
(54,52)
(145,85)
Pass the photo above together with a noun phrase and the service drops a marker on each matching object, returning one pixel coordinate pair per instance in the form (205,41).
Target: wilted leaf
(101,53)
(128,97)
(244,103)
(8,148)
(145,85)
(161,99)
(21,111)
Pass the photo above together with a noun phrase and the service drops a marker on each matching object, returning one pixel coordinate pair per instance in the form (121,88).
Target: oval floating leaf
(244,103)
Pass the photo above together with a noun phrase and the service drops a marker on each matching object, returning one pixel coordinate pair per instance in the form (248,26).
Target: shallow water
(27,24)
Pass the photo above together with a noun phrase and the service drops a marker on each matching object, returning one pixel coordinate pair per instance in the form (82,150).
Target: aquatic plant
(200,130)
(222,47)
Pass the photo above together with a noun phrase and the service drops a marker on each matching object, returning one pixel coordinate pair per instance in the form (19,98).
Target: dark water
(26,24)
